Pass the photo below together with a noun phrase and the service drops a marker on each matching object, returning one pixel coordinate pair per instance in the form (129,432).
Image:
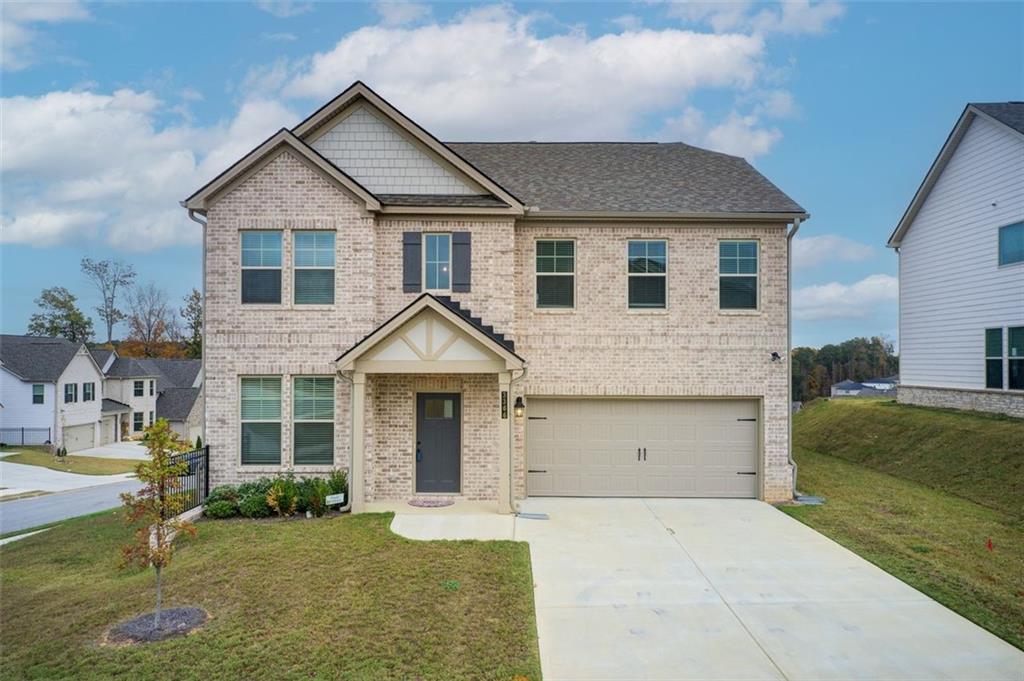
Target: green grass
(83,465)
(327,599)
(932,537)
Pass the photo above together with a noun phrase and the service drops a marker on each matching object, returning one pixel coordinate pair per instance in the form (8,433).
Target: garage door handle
(746,419)
(534,470)
(645,453)
(745,473)
(637,453)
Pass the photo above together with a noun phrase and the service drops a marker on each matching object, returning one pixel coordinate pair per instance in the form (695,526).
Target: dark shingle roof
(174,381)
(174,404)
(129,367)
(101,355)
(486,329)
(114,407)
(626,177)
(1007,113)
(37,358)
(848,385)
(176,373)
(445,200)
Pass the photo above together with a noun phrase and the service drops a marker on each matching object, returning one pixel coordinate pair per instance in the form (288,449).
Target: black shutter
(412,259)
(461,259)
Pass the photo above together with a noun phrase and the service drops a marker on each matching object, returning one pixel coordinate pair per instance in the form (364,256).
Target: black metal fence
(24,436)
(194,483)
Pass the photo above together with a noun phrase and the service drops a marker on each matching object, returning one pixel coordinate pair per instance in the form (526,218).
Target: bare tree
(151,320)
(108,276)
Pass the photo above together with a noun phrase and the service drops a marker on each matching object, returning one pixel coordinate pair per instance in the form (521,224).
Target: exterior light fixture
(776,357)
(519,408)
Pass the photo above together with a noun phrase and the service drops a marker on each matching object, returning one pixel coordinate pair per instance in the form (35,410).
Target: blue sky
(114,112)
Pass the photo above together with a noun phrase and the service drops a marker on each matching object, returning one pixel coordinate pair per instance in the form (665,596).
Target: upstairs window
(1015,341)
(994,358)
(647,268)
(70,392)
(261,420)
(152,388)
(137,421)
(313,420)
(737,275)
(1011,244)
(556,274)
(139,388)
(437,262)
(88,392)
(37,393)
(314,268)
(261,267)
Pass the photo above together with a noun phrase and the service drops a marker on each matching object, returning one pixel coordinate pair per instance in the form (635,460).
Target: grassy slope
(975,456)
(83,465)
(337,598)
(931,539)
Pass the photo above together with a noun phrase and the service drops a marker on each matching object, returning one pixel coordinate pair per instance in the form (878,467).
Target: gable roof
(37,358)
(100,355)
(129,367)
(627,177)
(174,404)
(1007,114)
(283,138)
(114,407)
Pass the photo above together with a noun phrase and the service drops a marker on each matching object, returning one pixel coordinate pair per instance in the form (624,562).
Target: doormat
(430,503)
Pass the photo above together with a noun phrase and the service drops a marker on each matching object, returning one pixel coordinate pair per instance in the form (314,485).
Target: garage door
(108,430)
(79,437)
(644,448)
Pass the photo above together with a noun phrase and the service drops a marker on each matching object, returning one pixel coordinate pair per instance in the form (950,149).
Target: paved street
(24,513)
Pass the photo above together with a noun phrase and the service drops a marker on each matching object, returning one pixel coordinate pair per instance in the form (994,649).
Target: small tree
(107,276)
(192,313)
(59,316)
(155,508)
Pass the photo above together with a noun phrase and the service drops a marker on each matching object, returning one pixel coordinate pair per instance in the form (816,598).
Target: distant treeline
(858,359)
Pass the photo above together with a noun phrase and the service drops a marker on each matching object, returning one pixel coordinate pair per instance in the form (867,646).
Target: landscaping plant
(283,496)
(254,506)
(337,481)
(316,491)
(155,508)
(220,509)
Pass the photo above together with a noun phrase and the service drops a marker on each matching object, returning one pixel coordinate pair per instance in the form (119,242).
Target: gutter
(351,449)
(789,345)
(202,358)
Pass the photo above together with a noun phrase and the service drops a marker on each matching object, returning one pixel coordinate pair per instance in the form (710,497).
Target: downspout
(789,345)
(512,446)
(202,358)
(351,450)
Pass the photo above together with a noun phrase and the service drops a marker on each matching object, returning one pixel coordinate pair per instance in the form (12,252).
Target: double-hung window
(70,392)
(437,262)
(556,274)
(152,418)
(261,267)
(1011,244)
(139,388)
(314,268)
(88,392)
(737,275)
(37,393)
(647,268)
(152,387)
(994,358)
(261,420)
(1015,356)
(137,421)
(313,420)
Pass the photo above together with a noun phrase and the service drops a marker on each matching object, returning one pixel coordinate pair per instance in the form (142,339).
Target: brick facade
(995,401)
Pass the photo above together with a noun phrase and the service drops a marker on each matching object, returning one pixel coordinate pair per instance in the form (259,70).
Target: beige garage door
(641,448)
(108,430)
(79,437)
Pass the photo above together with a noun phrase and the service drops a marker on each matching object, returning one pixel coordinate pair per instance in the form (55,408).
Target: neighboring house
(486,321)
(876,387)
(888,383)
(961,259)
(157,388)
(51,388)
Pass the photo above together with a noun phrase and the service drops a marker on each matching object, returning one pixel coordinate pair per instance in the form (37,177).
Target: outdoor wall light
(776,357)
(519,408)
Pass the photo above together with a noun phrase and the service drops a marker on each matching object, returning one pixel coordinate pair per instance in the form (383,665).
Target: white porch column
(358,435)
(505,420)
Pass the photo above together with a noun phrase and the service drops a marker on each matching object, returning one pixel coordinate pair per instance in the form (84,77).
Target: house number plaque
(504,404)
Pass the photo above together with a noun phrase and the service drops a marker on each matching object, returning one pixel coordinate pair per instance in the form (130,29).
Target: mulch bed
(173,622)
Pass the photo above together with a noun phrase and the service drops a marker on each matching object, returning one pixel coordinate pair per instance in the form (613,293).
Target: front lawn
(84,465)
(328,598)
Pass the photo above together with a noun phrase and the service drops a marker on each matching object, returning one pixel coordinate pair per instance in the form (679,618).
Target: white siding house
(955,293)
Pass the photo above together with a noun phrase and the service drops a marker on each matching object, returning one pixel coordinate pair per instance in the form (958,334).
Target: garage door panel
(77,438)
(695,448)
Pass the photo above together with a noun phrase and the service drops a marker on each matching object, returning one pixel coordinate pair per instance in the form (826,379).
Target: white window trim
(142,421)
(88,396)
(279,420)
(152,417)
(423,262)
(1004,378)
(74,393)
(332,421)
(999,232)
(575,283)
(646,310)
(296,268)
(757,279)
(152,387)
(280,268)
(42,393)
(135,389)
(1010,358)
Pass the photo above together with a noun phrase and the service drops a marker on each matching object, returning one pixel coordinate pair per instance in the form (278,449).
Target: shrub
(261,487)
(337,482)
(283,496)
(316,492)
(254,506)
(199,441)
(221,509)
(223,493)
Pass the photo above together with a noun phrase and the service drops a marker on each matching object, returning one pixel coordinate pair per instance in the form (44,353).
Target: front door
(438,442)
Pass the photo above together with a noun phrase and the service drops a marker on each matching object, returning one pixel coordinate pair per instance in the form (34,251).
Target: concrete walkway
(727,589)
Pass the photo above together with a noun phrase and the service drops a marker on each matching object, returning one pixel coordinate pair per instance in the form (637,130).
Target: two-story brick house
(490,321)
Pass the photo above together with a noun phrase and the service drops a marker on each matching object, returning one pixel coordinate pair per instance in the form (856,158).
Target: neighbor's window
(737,275)
(88,392)
(437,262)
(152,387)
(70,392)
(261,267)
(1011,244)
(313,416)
(137,422)
(139,388)
(152,418)
(994,358)
(37,393)
(1015,341)
(646,266)
(556,278)
(261,420)
(314,268)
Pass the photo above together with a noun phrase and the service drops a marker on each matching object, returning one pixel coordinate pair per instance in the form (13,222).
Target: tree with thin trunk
(152,324)
(155,508)
(59,316)
(108,277)
(192,313)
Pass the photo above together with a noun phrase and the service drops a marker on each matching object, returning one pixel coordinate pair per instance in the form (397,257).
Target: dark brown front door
(438,442)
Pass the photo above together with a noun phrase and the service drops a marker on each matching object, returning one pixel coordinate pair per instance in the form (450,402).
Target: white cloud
(815,251)
(281,37)
(398,13)
(844,301)
(48,228)
(740,135)
(284,9)
(792,17)
(19,41)
(628,22)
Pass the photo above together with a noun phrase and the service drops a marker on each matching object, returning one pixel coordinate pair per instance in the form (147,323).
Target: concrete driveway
(731,589)
(117,450)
